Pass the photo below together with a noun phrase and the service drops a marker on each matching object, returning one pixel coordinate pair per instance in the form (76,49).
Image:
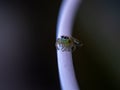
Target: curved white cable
(65,65)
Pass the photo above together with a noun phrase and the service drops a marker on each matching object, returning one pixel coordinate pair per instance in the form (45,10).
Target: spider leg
(73,48)
(63,48)
(56,45)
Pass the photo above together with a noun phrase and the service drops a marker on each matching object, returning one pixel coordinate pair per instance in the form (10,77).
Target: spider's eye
(62,36)
(65,37)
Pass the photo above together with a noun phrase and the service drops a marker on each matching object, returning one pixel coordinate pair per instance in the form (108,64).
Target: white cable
(64,27)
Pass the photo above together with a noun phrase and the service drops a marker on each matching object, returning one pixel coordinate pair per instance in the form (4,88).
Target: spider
(66,43)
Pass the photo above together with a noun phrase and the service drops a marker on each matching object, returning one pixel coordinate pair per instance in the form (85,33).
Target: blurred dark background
(27,37)
(27,45)
(97,63)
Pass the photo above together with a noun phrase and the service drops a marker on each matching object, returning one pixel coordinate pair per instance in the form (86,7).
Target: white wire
(64,27)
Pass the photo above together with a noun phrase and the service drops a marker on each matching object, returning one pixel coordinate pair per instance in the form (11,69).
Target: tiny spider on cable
(66,43)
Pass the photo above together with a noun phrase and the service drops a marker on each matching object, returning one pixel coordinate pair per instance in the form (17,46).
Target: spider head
(64,37)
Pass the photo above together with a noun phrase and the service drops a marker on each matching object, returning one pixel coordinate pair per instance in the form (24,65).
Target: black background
(27,45)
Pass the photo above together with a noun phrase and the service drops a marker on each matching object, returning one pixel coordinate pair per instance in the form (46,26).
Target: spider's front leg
(56,45)
(63,48)
(73,47)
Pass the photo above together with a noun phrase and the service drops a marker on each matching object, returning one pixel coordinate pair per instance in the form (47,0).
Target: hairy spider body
(66,43)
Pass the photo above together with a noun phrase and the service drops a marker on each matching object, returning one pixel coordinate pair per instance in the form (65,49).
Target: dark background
(97,63)
(28,55)
(27,45)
